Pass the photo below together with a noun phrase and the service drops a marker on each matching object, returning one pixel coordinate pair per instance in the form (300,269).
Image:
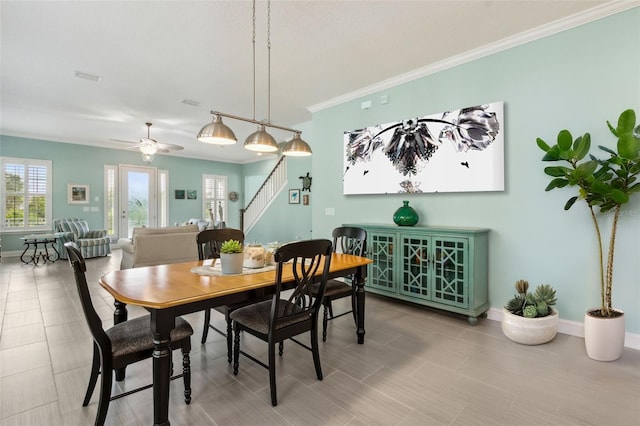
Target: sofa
(202,223)
(159,246)
(91,242)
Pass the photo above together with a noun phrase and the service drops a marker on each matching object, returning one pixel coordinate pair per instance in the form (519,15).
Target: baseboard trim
(572,328)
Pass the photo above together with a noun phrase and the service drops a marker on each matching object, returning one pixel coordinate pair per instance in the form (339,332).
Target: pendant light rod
(260,141)
(254,121)
(253,40)
(268,61)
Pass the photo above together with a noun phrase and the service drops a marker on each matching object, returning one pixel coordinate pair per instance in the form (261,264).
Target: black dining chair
(123,344)
(350,240)
(278,319)
(209,242)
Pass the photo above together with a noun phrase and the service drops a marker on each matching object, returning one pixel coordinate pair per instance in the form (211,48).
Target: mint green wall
(283,221)
(82,164)
(577,80)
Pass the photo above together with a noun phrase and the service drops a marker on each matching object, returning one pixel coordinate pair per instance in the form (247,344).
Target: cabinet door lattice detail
(415,267)
(449,272)
(381,252)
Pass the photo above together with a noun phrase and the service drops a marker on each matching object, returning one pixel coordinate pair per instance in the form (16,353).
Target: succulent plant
(231,246)
(532,305)
(545,293)
(515,305)
(542,309)
(522,286)
(529,311)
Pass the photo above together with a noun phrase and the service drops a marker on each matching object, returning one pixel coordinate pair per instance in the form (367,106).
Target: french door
(138,198)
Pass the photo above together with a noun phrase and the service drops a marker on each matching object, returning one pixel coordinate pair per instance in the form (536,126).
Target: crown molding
(537,33)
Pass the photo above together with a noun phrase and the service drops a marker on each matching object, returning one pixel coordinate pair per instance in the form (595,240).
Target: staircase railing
(266,194)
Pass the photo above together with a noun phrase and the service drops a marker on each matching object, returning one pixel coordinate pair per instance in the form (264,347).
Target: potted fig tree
(604,185)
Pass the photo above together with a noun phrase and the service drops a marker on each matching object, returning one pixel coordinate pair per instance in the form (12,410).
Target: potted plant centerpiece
(529,318)
(231,257)
(605,186)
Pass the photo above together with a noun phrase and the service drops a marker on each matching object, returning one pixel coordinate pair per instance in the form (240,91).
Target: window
(163,198)
(25,187)
(214,200)
(111,200)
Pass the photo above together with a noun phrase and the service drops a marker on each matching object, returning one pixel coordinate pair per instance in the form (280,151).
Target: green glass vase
(405,215)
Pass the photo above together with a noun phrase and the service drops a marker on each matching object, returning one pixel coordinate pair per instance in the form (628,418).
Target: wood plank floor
(417,367)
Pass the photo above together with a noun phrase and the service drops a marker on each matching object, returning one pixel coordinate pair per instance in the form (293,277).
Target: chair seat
(227,309)
(335,289)
(135,335)
(256,316)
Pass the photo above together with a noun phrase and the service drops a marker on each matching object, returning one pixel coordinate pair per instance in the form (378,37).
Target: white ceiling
(154,54)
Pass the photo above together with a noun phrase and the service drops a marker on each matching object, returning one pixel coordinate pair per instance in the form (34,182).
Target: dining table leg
(120,314)
(162,322)
(360,278)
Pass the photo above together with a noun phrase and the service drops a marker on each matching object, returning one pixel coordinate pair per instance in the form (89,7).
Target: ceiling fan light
(148,148)
(217,133)
(297,147)
(147,158)
(261,141)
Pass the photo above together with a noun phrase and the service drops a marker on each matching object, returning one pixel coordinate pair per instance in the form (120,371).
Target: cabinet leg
(473,320)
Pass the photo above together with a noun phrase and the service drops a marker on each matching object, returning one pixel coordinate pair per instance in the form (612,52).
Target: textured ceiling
(152,55)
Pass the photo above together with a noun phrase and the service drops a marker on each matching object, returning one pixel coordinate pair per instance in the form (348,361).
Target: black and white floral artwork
(455,151)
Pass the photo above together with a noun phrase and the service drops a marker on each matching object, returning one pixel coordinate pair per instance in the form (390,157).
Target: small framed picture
(179,194)
(305,200)
(192,194)
(294,196)
(78,194)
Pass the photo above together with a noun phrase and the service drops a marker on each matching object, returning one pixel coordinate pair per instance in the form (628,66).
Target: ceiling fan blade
(160,147)
(169,147)
(121,141)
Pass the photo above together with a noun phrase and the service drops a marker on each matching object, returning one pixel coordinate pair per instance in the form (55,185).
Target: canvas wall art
(455,151)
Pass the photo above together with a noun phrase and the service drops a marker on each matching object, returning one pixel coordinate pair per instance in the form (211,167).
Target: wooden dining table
(168,291)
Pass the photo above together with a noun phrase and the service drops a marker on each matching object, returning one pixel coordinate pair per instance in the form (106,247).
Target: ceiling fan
(149,146)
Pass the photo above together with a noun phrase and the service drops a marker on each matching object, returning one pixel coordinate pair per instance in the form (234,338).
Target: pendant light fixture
(218,133)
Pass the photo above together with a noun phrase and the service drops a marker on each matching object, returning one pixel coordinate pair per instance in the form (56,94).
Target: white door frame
(123,185)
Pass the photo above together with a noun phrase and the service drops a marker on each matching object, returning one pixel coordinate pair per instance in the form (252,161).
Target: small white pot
(231,263)
(530,331)
(604,337)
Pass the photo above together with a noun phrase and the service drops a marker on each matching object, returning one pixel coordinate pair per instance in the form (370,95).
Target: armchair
(92,243)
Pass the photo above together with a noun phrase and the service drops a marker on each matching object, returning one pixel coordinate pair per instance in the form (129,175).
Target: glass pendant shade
(297,147)
(148,148)
(217,133)
(261,141)
(147,158)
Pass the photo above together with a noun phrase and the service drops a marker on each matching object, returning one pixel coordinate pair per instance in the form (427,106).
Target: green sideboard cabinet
(440,267)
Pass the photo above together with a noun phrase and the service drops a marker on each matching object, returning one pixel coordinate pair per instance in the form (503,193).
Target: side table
(40,245)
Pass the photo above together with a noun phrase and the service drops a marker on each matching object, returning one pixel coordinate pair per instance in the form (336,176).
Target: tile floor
(417,367)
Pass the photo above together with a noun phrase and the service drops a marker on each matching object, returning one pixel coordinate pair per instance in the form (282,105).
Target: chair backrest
(350,240)
(78,227)
(306,257)
(93,319)
(209,241)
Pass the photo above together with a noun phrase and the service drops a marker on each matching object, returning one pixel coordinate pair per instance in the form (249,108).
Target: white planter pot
(529,331)
(231,263)
(604,337)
